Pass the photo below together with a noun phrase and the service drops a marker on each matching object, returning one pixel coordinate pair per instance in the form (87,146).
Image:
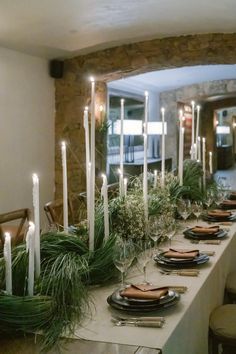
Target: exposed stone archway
(73,91)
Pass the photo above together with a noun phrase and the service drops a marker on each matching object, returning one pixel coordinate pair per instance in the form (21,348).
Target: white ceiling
(60,28)
(170,79)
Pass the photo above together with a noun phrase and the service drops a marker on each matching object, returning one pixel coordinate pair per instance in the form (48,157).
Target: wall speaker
(56,68)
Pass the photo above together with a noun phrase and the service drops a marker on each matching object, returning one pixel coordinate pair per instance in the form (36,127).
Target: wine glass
(155,230)
(170,229)
(184,208)
(197,209)
(144,253)
(209,199)
(123,256)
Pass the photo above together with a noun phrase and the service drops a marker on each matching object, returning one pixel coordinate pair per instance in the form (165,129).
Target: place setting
(200,233)
(219,215)
(143,297)
(181,258)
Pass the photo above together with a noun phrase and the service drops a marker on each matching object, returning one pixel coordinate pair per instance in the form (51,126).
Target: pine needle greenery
(68,267)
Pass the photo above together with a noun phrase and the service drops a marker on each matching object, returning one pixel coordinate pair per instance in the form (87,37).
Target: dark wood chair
(54,213)
(17,230)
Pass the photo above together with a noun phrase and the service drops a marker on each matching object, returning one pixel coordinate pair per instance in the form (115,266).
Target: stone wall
(73,90)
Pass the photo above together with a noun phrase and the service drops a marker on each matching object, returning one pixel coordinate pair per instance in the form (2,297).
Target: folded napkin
(233,195)
(182,254)
(205,230)
(144,292)
(219,213)
(229,202)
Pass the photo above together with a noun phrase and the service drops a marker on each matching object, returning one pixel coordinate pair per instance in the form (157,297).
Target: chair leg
(214,345)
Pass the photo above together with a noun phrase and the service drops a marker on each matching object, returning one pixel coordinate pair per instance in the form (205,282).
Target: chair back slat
(23,217)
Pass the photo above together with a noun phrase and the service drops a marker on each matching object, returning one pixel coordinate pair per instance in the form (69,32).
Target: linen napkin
(229,203)
(233,195)
(181,254)
(143,292)
(219,213)
(205,230)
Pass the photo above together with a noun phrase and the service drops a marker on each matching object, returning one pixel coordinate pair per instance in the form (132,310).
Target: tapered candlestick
(104,194)
(199,157)
(204,162)
(181,157)
(92,170)
(88,164)
(210,163)
(193,126)
(37,223)
(180,164)
(30,244)
(65,192)
(145,137)
(163,148)
(8,266)
(155,179)
(122,114)
(197,131)
(125,186)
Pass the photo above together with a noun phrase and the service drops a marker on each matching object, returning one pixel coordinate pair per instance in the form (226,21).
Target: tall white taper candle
(180,162)
(197,132)
(88,166)
(8,267)
(199,155)
(65,191)
(193,134)
(125,186)
(92,171)
(163,148)
(37,223)
(155,179)
(121,175)
(204,162)
(181,157)
(30,245)
(210,163)
(104,194)
(145,142)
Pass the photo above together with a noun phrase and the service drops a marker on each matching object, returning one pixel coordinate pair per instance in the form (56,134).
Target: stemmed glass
(197,209)
(155,230)
(123,256)
(170,229)
(209,199)
(184,208)
(144,253)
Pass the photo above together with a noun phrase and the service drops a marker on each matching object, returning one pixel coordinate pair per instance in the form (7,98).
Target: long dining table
(186,324)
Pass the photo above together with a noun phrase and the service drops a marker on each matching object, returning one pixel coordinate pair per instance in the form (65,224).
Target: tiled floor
(230,175)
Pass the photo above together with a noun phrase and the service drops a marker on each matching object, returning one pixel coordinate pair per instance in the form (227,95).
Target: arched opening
(213,87)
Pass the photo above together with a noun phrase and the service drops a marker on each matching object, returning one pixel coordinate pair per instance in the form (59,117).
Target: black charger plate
(118,302)
(183,263)
(199,236)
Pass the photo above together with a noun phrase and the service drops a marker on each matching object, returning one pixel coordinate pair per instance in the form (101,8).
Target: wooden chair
(17,231)
(54,213)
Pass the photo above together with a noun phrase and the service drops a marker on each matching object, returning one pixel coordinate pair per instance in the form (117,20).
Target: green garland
(61,299)
(67,266)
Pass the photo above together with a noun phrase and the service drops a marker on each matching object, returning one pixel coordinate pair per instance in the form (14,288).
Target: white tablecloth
(186,327)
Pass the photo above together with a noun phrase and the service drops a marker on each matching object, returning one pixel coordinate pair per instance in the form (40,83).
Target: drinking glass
(155,230)
(123,256)
(197,209)
(144,253)
(209,199)
(170,229)
(184,208)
